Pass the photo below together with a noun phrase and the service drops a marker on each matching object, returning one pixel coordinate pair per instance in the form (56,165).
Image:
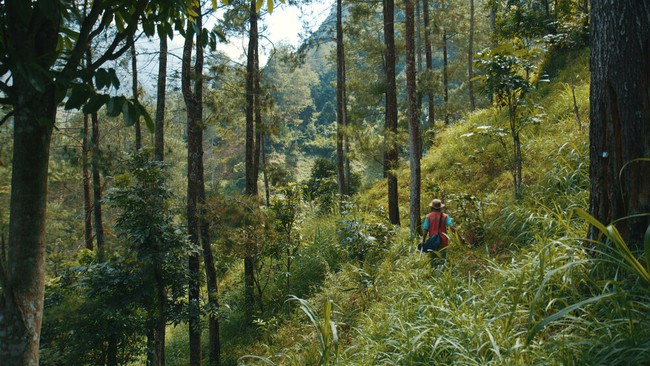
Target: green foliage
(322,186)
(115,302)
(363,238)
(90,306)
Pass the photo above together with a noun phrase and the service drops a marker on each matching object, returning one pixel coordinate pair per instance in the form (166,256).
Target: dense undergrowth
(521,286)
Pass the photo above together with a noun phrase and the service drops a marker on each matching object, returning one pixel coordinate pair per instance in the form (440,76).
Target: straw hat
(436,204)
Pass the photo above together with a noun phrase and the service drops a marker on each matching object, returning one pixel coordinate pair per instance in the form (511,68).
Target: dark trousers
(438,257)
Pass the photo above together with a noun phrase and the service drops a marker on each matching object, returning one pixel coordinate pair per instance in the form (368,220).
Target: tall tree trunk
(96,177)
(251,175)
(208,257)
(267,188)
(21,305)
(445,75)
(429,62)
(193,106)
(470,58)
(161,95)
(251,182)
(257,107)
(341,115)
(160,323)
(88,207)
(620,117)
(210,274)
(134,85)
(97,188)
(390,134)
(413,119)
(85,167)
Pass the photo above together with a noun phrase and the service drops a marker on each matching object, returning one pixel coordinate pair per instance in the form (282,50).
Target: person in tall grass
(437,222)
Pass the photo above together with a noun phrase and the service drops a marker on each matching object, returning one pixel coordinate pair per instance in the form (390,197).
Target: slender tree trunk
(88,207)
(208,257)
(160,321)
(576,111)
(620,117)
(112,349)
(470,58)
(134,78)
(341,115)
(413,119)
(251,175)
(210,275)
(418,38)
(429,62)
(445,75)
(97,187)
(257,106)
(96,178)
(159,328)
(391,158)
(251,183)
(193,107)
(267,188)
(161,95)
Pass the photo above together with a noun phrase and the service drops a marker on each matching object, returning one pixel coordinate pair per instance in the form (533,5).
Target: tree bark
(470,58)
(21,305)
(97,188)
(390,134)
(413,119)
(341,115)
(160,323)
(267,188)
(251,175)
(429,62)
(96,177)
(134,87)
(445,75)
(161,94)
(251,182)
(88,207)
(193,106)
(620,117)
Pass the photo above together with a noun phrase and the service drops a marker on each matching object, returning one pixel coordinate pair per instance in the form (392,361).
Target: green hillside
(520,287)
(237,218)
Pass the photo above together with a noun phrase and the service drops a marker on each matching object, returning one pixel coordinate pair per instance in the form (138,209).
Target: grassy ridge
(523,288)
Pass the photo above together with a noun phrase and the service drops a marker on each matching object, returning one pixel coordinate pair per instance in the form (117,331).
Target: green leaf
(130,114)
(119,22)
(113,78)
(562,313)
(142,111)
(269,4)
(258,5)
(114,106)
(95,102)
(102,79)
(149,28)
(78,96)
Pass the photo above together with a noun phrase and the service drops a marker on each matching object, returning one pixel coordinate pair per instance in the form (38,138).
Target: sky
(287,24)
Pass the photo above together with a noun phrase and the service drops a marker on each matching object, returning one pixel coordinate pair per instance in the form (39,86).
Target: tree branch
(6,117)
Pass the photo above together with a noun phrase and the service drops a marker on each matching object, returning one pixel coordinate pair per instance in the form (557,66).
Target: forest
(165,201)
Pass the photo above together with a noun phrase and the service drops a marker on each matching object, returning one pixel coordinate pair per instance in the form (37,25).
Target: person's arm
(450,224)
(425,229)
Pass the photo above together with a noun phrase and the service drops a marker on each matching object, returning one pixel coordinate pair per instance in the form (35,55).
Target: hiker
(436,222)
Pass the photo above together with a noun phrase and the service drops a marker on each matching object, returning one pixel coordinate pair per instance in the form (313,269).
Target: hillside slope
(519,287)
